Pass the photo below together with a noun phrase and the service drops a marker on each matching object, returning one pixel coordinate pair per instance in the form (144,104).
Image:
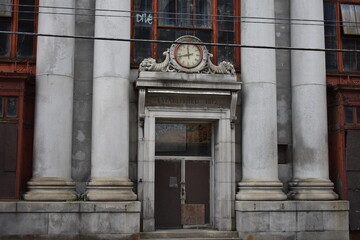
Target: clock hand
(185,55)
(188,54)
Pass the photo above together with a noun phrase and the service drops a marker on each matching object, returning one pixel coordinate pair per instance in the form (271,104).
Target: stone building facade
(123,145)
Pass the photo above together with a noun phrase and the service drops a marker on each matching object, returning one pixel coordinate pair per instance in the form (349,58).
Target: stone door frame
(222,167)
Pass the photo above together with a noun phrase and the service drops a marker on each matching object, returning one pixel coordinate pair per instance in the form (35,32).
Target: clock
(188,55)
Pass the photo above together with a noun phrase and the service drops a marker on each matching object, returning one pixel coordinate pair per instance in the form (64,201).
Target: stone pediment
(187,55)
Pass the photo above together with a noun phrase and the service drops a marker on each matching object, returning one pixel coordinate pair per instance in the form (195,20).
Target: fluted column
(259,124)
(110,122)
(54,105)
(308,76)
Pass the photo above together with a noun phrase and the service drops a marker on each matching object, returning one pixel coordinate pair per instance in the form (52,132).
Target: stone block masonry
(91,220)
(290,220)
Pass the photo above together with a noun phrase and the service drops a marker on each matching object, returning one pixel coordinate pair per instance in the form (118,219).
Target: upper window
(352,115)
(342,30)
(8,107)
(17,16)
(210,20)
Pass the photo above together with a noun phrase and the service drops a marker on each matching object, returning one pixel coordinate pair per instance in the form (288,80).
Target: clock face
(187,55)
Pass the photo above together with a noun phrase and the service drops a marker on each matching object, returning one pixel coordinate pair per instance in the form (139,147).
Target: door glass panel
(182,139)
(1,107)
(11,107)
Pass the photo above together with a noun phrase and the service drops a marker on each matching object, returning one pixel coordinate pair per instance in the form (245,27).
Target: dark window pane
(331,57)
(349,61)
(143,5)
(226,53)
(330,18)
(143,13)
(178,139)
(203,11)
(26,9)
(142,50)
(171,35)
(25,44)
(349,115)
(357,47)
(204,36)
(358,114)
(11,106)
(5,8)
(185,13)
(5,25)
(168,13)
(225,11)
(1,107)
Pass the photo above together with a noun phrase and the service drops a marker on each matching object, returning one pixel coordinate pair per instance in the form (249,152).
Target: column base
(312,189)
(51,189)
(260,191)
(110,189)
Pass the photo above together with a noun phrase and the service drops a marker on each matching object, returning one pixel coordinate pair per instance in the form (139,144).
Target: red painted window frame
(340,36)
(214,29)
(13,63)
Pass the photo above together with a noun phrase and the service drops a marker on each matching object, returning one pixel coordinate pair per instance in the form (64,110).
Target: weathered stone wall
(88,219)
(283,81)
(290,220)
(83,84)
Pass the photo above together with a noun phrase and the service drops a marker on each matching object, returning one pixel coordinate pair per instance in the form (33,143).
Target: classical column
(259,124)
(110,122)
(54,105)
(308,78)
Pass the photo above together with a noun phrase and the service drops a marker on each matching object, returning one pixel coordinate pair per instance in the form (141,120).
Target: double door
(182,193)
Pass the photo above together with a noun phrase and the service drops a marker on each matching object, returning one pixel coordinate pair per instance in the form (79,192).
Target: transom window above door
(183,139)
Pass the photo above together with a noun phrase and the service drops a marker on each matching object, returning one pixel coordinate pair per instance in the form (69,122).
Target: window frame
(4,117)
(340,36)
(214,29)
(15,19)
(355,124)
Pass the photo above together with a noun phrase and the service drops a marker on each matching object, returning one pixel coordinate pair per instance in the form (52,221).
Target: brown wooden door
(167,194)
(8,153)
(182,198)
(353,176)
(197,203)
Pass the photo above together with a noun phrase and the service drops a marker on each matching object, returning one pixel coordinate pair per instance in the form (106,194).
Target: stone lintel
(192,77)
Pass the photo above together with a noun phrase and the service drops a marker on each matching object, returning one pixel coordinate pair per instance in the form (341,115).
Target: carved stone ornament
(183,56)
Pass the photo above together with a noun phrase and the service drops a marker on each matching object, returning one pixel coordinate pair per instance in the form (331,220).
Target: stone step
(188,234)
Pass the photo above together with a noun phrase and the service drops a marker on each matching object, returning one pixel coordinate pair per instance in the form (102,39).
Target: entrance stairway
(187,234)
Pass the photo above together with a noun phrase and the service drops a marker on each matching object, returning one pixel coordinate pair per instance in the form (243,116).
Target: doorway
(171,135)
(182,193)
(183,153)
(353,176)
